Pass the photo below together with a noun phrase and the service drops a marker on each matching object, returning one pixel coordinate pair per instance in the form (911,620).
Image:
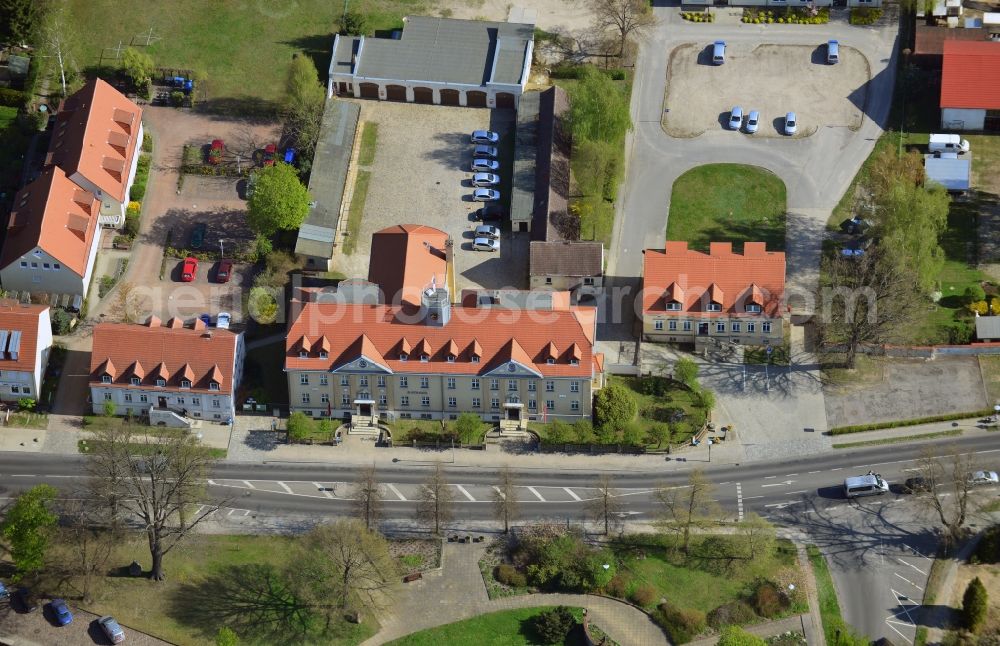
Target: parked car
(488,165)
(189,270)
(485,179)
(26,599)
(486,195)
(753,121)
(485,137)
(983,478)
(215,151)
(832,52)
(223,320)
(111,629)
(486,244)
(489,212)
(4,592)
(206,319)
(198,235)
(61,612)
(224,271)
(269,152)
(487,231)
(489,152)
(791,124)
(736,118)
(916,485)
(718,52)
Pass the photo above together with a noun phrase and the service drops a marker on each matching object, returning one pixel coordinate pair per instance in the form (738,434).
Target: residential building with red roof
(52,237)
(509,356)
(715,297)
(970,85)
(169,372)
(25,344)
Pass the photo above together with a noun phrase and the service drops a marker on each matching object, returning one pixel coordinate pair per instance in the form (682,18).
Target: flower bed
(797,16)
(698,16)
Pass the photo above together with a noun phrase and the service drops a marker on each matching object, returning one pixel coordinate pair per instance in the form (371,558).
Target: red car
(224,272)
(215,151)
(189,270)
(270,151)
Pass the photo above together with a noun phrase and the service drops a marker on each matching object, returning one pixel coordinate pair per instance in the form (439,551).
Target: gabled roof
(198,356)
(694,278)
(565,258)
(970,75)
(96,134)
(19,334)
(55,215)
(406,258)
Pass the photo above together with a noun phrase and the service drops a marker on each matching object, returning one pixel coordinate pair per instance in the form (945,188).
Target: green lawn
(727,202)
(243,48)
(508,628)
(369,138)
(7,116)
(653,409)
(829,607)
(357,208)
(990,367)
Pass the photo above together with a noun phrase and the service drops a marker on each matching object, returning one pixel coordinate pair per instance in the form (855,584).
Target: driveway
(216,202)
(421,175)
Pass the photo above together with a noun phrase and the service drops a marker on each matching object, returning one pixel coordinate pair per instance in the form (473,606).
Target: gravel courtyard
(774,79)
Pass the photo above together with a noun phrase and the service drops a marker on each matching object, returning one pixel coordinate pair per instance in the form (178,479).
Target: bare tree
(347,560)
(506,507)
(946,486)
(85,543)
(56,36)
(125,302)
(606,507)
(757,535)
(436,500)
(626,17)
(154,478)
(367,497)
(689,507)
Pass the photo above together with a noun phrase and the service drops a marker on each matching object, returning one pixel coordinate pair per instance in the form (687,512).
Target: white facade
(962,119)
(18,383)
(40,272)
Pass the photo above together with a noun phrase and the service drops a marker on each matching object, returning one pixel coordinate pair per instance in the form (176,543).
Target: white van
(832,52)
(870,484)
(948,144)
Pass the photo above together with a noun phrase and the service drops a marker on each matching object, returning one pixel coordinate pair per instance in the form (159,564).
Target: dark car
(198,235)
(916,485)
(224,272)
(26,600)
(61,612)
(490,212)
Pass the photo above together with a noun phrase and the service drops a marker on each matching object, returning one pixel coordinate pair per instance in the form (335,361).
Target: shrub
(354,24)
(736,636)
(557,432)
(26,403)
(553,625)
(734,613)
(617,75)
(299,426)
(680,624)
(979,307)
(960,333)
(988,549)
(177,98)
(509,575)
(975,603)
(469,428)
(60,320)
(12,98)
(974,293)
(644,595)
(614,406)
(768,600)
(618,585)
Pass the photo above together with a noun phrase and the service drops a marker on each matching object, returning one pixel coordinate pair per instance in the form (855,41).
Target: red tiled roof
(53,214)
(970,75)
(198,355)
(15,317)
(96,134)
(721,276)
(495,334)
(405,258)
(930,40)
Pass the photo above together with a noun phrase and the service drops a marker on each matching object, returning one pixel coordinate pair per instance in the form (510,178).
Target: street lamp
(710,443)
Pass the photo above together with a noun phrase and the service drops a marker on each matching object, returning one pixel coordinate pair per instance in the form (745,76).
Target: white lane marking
(285,487)
(769,477)
(394,490)
(198,510)
(749,497)
(811,472)
(32,475)
(782,505)
(837,469)
(779,484)
(230,512)
(248,484)
(500,493)
(914,469)
(467,494)
(537,495)
(916,551)
(802,491)
(211,482)
(789,475)
(739,502)
(911,565)
(572,494)
(908,581)
(322,490)
(901,623)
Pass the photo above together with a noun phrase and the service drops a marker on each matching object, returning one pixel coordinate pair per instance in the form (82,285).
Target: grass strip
(829,607)
(860,428)
(895,440)
(358,198)
(369,136)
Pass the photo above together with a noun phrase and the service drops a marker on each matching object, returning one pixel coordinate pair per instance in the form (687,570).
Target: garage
(395,93)
(505,100)
(423,95)
(475,99)
(449,97)
(369,90)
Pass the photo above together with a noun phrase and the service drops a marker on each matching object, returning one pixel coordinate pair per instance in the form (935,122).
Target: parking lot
(773,79)
(40,627)
(421,174)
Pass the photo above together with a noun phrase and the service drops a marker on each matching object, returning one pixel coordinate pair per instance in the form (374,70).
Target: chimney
(720,249)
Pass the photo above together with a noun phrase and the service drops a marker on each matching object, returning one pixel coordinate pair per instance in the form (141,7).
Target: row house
(25,344)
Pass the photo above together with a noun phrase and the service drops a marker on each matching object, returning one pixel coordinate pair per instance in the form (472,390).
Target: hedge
(12,98)
(860,428)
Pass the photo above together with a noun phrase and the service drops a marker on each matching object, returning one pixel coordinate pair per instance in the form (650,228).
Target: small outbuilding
(988,328)
(949,170)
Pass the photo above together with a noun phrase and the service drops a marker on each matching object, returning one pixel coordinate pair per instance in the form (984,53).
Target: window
(305,398)
(753,307)
(672,326)
(425,382)
(143,399)
(720,327)
(588,281)
(345,401)
(404,382)
(185,383)
(180,401)
(765,327)
(345,380)
(403,356)
(216,403)
(512,384)
(15,389)
(574,362)
(475,358)
(574,386)
(134,381)
(476,402)
(550,361)
(658,325)
(673,306)
(34,265)
(24,264)
(107,397)
(105,379)
(128,397)
(532,386)
(303,354)
(364,381)
(475,384)
(451,383)
(494,402)
(381,381)
(549,404)
(451,358)
(687,326)
(452,402)
(751,327)
(325,398)
(45,265)
(404,401)
(736,327)
(550,386)
(532,404)
(303,380)
(548,280)
(161,382)
(494,384)
(324,380)
(56,265)
(323,354)
(424,358)
(383,400)
(425,401)
(213,385)
(196,401)
(574,405)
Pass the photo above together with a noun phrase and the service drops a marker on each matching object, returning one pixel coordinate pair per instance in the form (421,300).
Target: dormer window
(134,381)
(574,362)
(451,358)
(550,361)
(403,356)
(214,385)
(161,382)
(185,383)
(424,358)
(753,307)
(475,358)
(673,306)
(303,354)
(105,379)
(323,354)
(714,307)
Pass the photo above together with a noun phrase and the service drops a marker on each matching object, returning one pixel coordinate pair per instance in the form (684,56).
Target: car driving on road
(983,478)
